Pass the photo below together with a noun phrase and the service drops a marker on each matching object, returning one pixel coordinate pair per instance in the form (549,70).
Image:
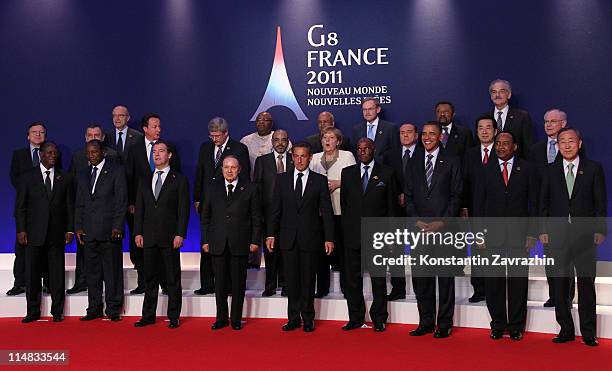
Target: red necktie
(485,159)
(505,173)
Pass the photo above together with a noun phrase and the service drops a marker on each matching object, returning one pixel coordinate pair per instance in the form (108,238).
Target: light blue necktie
(552,151)
(151,163)
(371,134)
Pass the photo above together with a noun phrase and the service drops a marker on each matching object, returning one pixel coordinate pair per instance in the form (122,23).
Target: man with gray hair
(509,118)
(208,171)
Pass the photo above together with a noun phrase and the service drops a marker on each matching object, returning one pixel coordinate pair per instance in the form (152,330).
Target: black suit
(77,164)
(506,210)
(386,139)
(265,177)
(302,225)
(316,147)
(229,227)
(132,137)
(441,200)
(159,222)
(572,243)
(207,172)
(21,163)
(97,215)
(138,169)
(378,200)
(460,139)
(519,123)
(46,218)
(473,172)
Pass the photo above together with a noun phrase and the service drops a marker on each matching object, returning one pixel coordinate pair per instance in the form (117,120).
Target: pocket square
(380,184)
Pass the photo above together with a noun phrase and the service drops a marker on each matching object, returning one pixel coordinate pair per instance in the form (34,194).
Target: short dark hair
(452,106)
(303,144)
(168,146)
(36,123)
(506,132)
(434,123)
(485,117)
(144,122)
(569,128)
(95,142)
(94,126)
(43,147)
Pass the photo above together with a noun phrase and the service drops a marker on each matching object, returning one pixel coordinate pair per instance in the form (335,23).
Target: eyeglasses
(553,121)
(500,91)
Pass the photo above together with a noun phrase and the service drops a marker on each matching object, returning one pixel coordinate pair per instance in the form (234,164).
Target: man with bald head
(122,137)
(325,120)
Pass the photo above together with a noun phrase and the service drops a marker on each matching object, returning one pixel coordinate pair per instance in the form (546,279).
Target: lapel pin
(518,168)
(227,147)
(580,172)
(511,117)
(105,172)
(456,136)
(375,177)
(380,132)
(242,188)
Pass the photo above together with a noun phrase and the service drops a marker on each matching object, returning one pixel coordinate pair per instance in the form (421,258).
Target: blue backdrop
(68,62)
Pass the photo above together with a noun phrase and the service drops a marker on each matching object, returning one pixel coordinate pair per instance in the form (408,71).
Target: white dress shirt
(304,178)
(433,159)
(149,147)
(234,183)
(508,166)
(410,148)
(32,152)
(165,170)
(482,153)
(504,112)
(99,166)
(576,162)
(44,174)
(362,166)
(374,125)
(123,137)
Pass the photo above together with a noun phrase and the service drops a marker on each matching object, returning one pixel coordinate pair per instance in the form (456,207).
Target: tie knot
(160,172)
(36,149)
(486,150)
(230,187)
(48,172)
(94,168)
(570,166)
(366,167)
(445,129)
(220,146)
(120,133)
(505,163)
(499,113)
(300,175)
(553,142)
(429,157)
(280,157)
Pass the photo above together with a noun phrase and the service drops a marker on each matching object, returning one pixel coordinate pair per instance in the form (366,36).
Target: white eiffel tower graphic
(279,92)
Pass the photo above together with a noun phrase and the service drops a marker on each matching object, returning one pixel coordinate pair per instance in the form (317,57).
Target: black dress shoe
(284,292)
(549,304)
(590,341)
(442,333)
(320,295)
(515,335)
(16,290)
(59,318)
(560,339)
(203,291)
(291,325)
(379,327)
(143,322)
(268,293)
(421,330)
(395,296)
(138,290)
(219,325)
(174,323)
(309,327)
(496,334)
(75,290)
(30,318)
(237,326)
(476,298)
(352,326)
(91,316)
(114,318)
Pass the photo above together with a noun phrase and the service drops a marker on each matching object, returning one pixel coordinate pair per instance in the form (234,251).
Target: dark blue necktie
(92,180)
(151,163)
(365,178)
(35,158)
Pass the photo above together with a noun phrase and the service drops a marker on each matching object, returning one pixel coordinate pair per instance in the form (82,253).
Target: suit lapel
(579,179)
(58,179)
(373,178)
(440,164)
(515,173)
(509,119)
(102,177)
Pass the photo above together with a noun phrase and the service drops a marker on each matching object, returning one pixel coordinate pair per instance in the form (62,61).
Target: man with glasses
(384,134)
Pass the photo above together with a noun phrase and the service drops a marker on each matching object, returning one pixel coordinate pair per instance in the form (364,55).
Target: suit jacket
(460,139)
(387,138)
(21,163)
(587,204)
(235,223)
(443,198)
(315,142)
(473,172)
(138,166)
(379,199)
(99,213)
(515,203)
(44,217)
(207,172)
(79,161)
(159,221)
(394,159)
(133,137)
(265,178)
(309,222)
(519,123)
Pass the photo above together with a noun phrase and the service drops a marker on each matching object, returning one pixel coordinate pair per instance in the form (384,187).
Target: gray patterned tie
(500,123)
(428,170)
(158,184)
(552,151)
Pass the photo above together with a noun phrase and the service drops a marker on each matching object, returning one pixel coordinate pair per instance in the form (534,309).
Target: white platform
(333,307)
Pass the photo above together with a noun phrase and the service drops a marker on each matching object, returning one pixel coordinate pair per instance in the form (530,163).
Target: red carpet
(262,345)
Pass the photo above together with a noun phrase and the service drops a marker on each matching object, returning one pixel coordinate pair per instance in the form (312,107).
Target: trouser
(275,277)
(234,266)
(171,259)
(104,260)
(300,267)
(425,290)
(354,290)
(50,255)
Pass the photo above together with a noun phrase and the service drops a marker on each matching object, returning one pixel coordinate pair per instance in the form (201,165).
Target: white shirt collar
(410,148)
(510,161)
(449,127)
(434,153)
(43,169)
(166,170)
(576,162)
(124,131)
(234,183)
(504,111)
(489,147)
(100,165)
(375,122)
(305,172)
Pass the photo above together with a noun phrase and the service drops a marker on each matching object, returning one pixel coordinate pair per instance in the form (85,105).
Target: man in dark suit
(122,137)
(433,191)
(44,212)
(160,226)
(368,189)
(504,202)
(542,154)
(231,228)
(101,201)
(509,118)
(324,120)
(266,169)
(77,164)
(140,166)
(573,198)
(476,158)
(398,159)
(208,171)
(23,160)
(302,214)
(384,134)
(456,139)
